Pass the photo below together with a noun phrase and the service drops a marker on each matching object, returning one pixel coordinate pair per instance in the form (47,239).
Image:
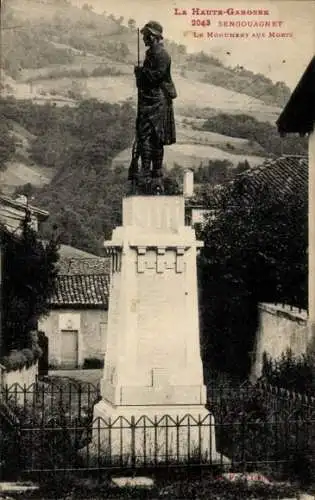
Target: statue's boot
(157,172)
(157,186)
(157,161)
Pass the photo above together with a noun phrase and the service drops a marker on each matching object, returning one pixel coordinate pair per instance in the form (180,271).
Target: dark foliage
(295,373)
(216,172)
(255,251)
(263,429)
(7,142)
(246,82)
(28,274)
(265,134)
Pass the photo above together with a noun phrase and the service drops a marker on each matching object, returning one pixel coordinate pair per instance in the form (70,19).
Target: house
(298,117)
(196,213)
(13,210)
(76,325)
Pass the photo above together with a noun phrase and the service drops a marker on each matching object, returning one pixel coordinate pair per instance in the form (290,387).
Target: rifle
(134,165)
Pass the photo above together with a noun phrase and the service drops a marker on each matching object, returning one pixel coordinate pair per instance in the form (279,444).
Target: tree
(132,24)
(255,251)
(28,274)
(216,172)
(7,144)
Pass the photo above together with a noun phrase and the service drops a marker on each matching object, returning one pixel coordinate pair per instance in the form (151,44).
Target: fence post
(155,439)
(133,441)
(99,448)
(188,440)
(277,423)
(243,460)
(79,399)
(144,441)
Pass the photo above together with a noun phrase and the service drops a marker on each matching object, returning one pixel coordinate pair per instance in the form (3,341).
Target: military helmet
(154,28)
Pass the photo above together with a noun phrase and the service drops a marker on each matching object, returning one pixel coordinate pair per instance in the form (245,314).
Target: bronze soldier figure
(155,124)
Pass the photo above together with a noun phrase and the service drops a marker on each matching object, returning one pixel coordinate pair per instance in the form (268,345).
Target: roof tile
(84,290)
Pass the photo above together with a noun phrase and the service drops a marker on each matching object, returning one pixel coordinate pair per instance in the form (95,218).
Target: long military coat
(155,106)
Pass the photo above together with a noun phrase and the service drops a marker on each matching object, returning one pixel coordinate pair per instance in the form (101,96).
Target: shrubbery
(265,134)
(24,358)
(295,373)
(260,430)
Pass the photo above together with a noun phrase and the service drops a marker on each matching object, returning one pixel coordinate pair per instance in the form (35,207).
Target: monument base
(146,435)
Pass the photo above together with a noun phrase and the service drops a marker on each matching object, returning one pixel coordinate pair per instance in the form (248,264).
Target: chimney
(188,183)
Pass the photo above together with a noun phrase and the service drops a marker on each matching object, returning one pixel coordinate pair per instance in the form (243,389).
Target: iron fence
(102,445)
(53,396)
(254,427)
(263,397)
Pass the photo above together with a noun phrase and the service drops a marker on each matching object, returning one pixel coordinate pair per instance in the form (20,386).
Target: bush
(247,127)
(105,70)
(16,360)
(261,430)
(295,373)
(93,363)
(39,446)
(29,356)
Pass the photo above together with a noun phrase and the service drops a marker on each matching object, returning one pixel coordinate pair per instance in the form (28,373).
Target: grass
(177,484)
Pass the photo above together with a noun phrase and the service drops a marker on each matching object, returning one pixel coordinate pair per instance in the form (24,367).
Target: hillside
(21,168)
(57,40)
(58,53)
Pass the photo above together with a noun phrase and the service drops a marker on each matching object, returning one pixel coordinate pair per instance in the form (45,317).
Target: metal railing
(254,427)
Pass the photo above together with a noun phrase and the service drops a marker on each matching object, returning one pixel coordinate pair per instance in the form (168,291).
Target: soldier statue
(155,124)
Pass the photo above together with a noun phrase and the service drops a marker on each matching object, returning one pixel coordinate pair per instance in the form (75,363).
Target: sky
(281,58)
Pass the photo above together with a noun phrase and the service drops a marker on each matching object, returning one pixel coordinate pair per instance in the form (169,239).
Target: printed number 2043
(200,22)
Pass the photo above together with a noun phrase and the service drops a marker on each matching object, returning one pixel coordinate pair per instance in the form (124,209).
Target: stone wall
(24,377)
(280,328)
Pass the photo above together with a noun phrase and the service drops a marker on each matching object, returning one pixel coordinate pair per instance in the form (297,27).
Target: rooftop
(74,261)
(287,173)
(21,204)
(81,290)
(298,116)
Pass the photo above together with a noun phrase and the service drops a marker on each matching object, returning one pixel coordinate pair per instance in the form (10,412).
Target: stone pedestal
(153,365)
